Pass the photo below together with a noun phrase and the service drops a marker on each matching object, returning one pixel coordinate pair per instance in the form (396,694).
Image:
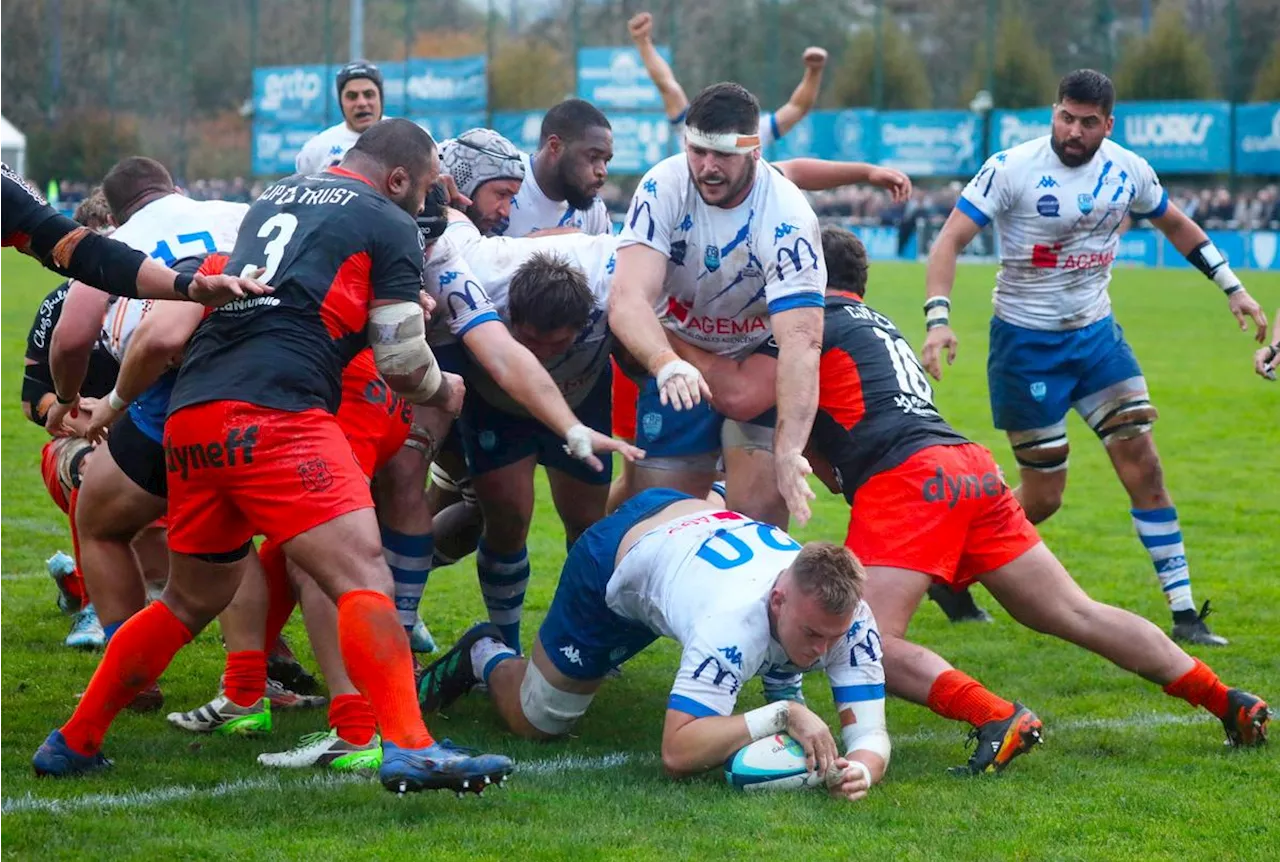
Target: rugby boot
(55,759)
(441,766)
(1247,718)
(451,676)
(327,749)
(958,606)
(999,742)
(1193,630)
(225,717)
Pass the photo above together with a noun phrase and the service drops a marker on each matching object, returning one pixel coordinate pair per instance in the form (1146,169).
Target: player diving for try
(741,597)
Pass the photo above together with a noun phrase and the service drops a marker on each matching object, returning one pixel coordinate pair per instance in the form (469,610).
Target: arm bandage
(721,142)
(1208,259)
(767,720)
(397,335)
(937,312)
(867,730)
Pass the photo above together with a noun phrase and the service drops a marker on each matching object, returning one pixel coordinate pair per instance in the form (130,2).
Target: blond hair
(831,574)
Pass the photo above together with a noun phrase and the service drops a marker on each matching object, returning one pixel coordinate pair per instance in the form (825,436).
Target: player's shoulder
(782,200)
(1118,154)
(669,176)
(1028,155)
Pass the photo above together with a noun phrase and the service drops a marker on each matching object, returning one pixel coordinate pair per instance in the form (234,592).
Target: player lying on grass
(741,597)
(927,505)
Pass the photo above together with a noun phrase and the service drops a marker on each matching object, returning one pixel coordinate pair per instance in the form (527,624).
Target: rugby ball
(773,763)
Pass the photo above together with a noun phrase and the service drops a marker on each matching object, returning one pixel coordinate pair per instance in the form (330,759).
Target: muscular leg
(507,678)
(1040,594)
(151,549)
(1040,493)
(752,486)
(400,494)
(110,511)
(344,555)
(505,496)
(579,504)
(894,594)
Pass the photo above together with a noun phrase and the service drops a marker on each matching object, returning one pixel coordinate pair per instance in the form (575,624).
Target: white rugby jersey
(532,210)
(767,129)
(1058,228)
(495,260)
(169,229)
(461,300)
(326,149)
(727,269)
(704,580)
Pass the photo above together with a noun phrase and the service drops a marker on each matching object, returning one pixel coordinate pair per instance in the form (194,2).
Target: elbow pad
(866,731)
(398,338)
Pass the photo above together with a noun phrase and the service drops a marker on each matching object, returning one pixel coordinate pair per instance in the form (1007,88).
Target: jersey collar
(844,296)
(344,172)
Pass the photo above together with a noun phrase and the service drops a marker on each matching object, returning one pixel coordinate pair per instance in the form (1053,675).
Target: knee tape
(1041,449)
(548,708)
(442,480)
(744,435)
(1124,417)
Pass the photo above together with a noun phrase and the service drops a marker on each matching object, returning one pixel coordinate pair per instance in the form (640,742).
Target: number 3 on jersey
(911,379)
(277,231)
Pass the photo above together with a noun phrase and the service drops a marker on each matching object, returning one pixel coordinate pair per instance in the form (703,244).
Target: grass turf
(1125,770)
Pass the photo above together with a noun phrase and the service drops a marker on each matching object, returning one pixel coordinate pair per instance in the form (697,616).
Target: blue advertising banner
(1258,138)
(1177,137)
(640,141)
(614,77)
(444,126)
(929,143)
(521,128)
(1258,249)
(429,85)
(1139,248)
(1010,128)
(848,135)
(276,145)
(292,94)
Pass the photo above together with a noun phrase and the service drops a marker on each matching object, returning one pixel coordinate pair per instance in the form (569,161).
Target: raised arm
(805,94)
(674,100)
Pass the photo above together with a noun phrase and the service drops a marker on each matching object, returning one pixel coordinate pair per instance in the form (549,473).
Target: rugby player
(771,127)
(73,250)
(1058,203)
(63,458)
(252,447)
(724,252)
(740,597)
(125,489)
(927,505)
(359,86)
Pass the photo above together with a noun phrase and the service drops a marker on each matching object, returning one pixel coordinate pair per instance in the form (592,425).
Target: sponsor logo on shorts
(487,440)
(651,424)
(315,475)
(199,456)
(951,489)
(1038,390)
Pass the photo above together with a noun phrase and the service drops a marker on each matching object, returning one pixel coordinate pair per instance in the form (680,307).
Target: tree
(1168,63)
(512,86)
(1266,86)
(1023,75)
(906,85)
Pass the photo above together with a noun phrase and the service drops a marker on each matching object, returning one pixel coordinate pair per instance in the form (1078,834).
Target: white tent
(13,146)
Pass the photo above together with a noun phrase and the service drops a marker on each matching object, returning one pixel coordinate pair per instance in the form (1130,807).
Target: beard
(730,190)
(577,198)
(1070,158)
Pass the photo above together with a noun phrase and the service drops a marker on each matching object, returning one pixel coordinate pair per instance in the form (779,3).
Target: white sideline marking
(28,802)
(49,528)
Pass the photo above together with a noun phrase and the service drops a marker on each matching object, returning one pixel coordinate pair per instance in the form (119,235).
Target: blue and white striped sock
(503,580)
(409,558)
(1162,537)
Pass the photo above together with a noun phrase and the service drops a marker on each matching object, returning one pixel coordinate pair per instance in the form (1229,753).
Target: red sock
(245,681)
(353,718)
(1200,686)
(959,696)
(74,584)
(375,650)
(135,658)
(280,596)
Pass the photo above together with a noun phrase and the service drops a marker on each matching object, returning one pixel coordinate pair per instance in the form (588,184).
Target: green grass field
(1125,771)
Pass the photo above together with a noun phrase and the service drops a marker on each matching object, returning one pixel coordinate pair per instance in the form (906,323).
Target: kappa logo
(572,654)
(782,230)
(651,186)
(687,224)
(852,633)
(315,475)
(1047,182)
(733,655)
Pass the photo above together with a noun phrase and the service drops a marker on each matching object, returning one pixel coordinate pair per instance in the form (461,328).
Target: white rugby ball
(773,763)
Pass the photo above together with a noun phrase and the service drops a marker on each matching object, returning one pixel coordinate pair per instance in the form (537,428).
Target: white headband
(721,142)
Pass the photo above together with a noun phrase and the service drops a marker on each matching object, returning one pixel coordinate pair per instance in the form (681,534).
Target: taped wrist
(1208,259)
(578,442)
(862,728)
(397,335)
(937,312)
(768,720)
